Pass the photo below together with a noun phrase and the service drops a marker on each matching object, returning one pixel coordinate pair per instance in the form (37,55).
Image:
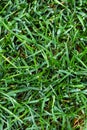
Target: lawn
(43,65)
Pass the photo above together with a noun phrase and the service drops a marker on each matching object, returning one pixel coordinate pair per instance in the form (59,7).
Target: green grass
(43,65)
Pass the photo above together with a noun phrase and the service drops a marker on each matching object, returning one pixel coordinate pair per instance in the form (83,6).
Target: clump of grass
(43,66)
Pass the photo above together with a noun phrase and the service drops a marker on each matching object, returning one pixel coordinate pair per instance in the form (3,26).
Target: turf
(43,64)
